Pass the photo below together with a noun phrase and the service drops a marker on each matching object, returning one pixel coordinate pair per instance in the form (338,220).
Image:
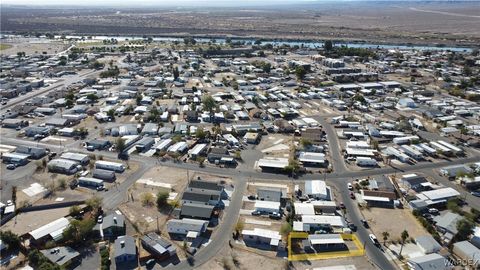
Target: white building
(317,189)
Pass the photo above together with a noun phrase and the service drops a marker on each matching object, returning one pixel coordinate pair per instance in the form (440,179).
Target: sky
(154,2)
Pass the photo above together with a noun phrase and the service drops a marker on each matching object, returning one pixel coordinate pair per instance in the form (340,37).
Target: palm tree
(385,237)
(404,237)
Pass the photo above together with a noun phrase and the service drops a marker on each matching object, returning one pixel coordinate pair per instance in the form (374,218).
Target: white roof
(375,198)
(440,194)
(323,203)
(335,221)
(304,209)
(198,148)
(323,239)
(273,162)
(312,157)
(316,187)
(73,156)
(263,233)
(50,228)
(358,144)
(192,234)
(360,152)
(267,204)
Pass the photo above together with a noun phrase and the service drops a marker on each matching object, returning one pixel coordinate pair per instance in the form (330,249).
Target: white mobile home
(442,148)
(179,147)
(197,150)
(455,150)
(90,182)
(111,166)
(317,189)
(186,226)
(267,206)
(411,152)
(365,161)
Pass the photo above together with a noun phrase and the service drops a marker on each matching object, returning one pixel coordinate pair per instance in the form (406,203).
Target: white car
(349,185)
(9,202)
(374,240)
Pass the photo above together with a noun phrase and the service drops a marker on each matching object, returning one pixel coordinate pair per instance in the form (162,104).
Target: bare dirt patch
(393,221)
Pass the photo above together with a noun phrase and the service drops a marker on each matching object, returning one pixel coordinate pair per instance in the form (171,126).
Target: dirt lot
(397,221)
(144,216)
(275,145)
(245,260)
(359,262)
(26,222)
(15,46)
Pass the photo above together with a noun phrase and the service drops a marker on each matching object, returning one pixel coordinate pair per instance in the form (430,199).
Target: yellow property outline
(360,251)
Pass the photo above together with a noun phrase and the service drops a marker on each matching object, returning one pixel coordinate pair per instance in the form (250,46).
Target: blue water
(306,44)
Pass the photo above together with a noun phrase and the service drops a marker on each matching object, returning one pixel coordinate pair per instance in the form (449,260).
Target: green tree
(92,97)
(94,203)
(404,236)
(111,113)
(78,230)
(305,143)
(385,237)
(300,72)
(285,229)
(209,104)
(239,226)
(10,239)
(176,73)
(105,259)
(464,229)
(162,198)
(200,133)
(147,199)
(328,45)
(74,210)
(97,65)
(120,144)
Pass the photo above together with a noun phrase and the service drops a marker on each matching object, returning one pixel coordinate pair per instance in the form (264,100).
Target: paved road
(334,145)
(338,178)
(65,81)
(375,254)
(222,234)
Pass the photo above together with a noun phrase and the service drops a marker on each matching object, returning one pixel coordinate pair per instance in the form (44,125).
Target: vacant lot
(239,258)
(397,221)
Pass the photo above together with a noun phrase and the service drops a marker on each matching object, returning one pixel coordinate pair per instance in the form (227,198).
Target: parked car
(365,223)
(252,197)
(100,219)
(427,216)
(433,211)
(352,195)
(349,185)
(191,250)
(275,215)
(9,203)
(352,227)
(256,213)
(342,206)
(11,166)
(150,263)
(374,240)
